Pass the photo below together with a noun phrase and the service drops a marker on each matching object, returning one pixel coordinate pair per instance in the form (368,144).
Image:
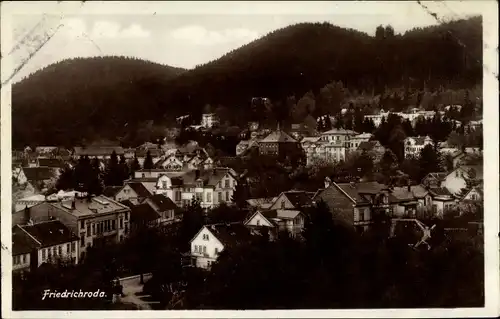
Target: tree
(241,194)
(428,161)
(193,218)
(148,161)
(66,179)
(134,166)
(305,106)
(380,32)
(388,163)
(124,169)
(112,176)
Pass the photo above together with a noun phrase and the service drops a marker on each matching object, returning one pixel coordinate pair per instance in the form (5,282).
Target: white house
(442,201)
(135,192)
(212,240)
(291,221)
(414,145)
(456,180)
(356,140)
(44,242)
(210,187)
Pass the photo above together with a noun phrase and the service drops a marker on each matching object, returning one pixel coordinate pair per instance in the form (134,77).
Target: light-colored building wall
(205,248)
(21,262)
(65,251)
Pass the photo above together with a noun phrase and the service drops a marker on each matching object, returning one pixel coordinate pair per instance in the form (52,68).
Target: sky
(189,34)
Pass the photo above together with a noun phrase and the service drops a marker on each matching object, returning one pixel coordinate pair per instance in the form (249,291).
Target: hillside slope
(287,61)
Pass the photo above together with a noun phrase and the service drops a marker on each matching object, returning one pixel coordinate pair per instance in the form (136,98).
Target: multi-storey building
(95,220)
(210,187)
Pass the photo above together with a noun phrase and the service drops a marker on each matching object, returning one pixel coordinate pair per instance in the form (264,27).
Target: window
(82,241)
(283,205)
(258,222)
(126,215)
(177,196)
(456,173)
(113,224)
(164,184)
(24,258)
(199,184)
(126,228)
(143,175)
(73,248)
(216,251)
(208,263)
(44,253)
(219,195)
(82,224)
(473,196)
(49,252)
(361,214)
(195,249)
(226,183)
(67,249)
(209,197)
(204,249)
(205,236)
(121,223)
(88,229)
(59,248)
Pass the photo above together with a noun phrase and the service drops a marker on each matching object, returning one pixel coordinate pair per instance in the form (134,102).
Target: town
(175,210)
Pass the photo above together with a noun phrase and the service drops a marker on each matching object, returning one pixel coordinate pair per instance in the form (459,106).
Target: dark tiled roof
(50,162)
(111,191)
(299,198)
(127,203)
(231,234)
(278,137)
(140,189)
(143,213)
(210,177)
(50,233)
(22,243)
(439,191)
(163,202)
(38,173)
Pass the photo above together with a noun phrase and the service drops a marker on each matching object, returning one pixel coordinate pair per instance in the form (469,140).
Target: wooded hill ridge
(109,96)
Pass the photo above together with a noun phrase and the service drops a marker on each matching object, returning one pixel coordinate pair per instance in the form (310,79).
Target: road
(131,288)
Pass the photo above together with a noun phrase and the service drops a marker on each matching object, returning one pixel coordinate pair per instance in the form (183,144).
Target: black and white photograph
(225,156)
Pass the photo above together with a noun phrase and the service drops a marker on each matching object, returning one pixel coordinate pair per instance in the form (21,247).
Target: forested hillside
(108,97)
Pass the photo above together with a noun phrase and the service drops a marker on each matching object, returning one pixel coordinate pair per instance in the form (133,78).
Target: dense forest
(110,96)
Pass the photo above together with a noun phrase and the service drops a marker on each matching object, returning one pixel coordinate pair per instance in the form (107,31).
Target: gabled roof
(163,202)
(127,203)
(22,243)
(139,189)
(50,233)
(286,214)
(298,198)
(278,137)
(478,189)
(401,194)
(38,173)
(231,235)
(263,203)
(439,176)
(111,191)
(356,191)
(154,152)
(143,213)
(440,191)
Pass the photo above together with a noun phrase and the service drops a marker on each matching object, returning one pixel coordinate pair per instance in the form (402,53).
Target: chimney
(327,182)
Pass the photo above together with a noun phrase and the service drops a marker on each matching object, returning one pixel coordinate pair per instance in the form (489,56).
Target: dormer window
(199,184)
(205,237)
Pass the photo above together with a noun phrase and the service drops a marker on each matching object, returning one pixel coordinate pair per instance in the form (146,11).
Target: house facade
(210,187)
(44,242)
(414,145)
(95,220)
